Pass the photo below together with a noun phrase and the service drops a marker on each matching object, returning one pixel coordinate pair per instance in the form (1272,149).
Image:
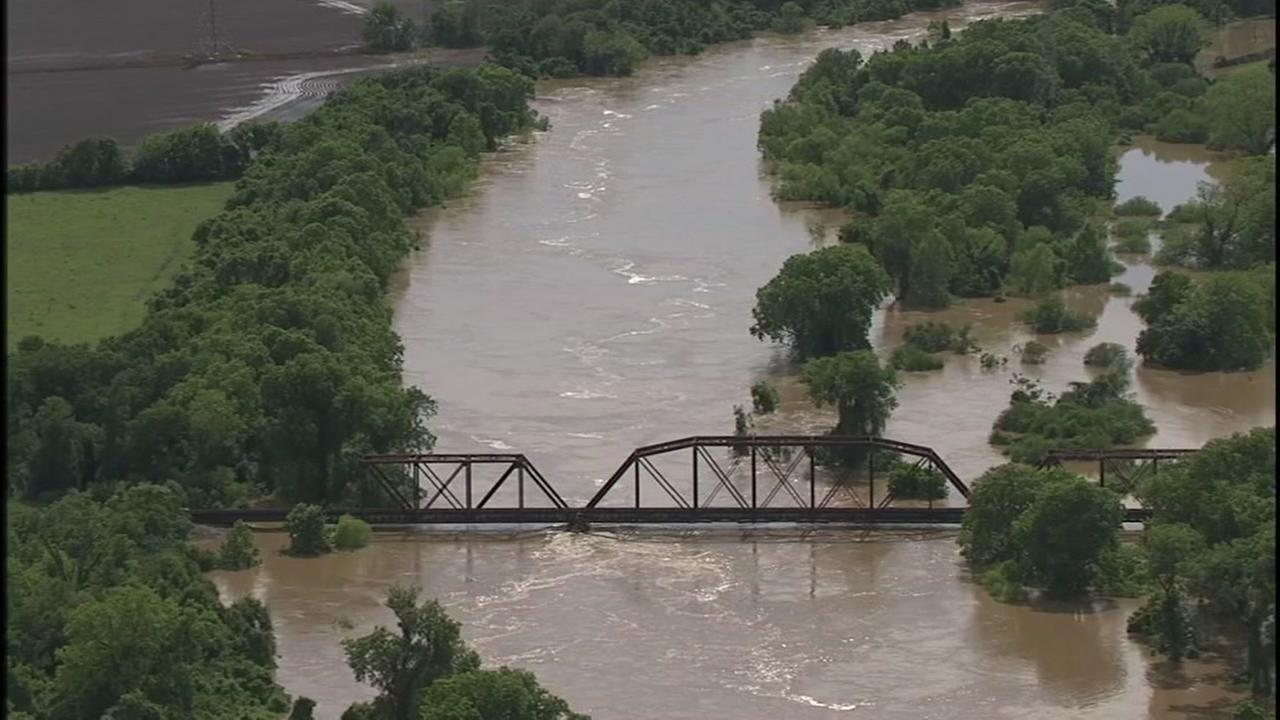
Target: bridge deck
(624,516)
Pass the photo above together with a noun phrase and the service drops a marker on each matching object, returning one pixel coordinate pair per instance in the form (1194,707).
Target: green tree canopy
(1241,108)
(821,302)
(427,647)
(1169,33)
(501,694)
(859,388)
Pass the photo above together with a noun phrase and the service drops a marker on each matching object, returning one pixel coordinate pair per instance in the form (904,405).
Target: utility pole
(213,26)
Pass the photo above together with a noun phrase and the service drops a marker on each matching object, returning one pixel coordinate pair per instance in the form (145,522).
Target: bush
(917,483)
(385,31)
(991,361)
(1034,353)
(192,154)
(1107,355)
(1182,126)
(932,336)
(764,397)
(1051,315)
(1090,416)
(303,709)
(238,551)
(912,359)
(308,536)
(1133,235)
(1138,206)
(1120,289)
(1003,584)
(352,533)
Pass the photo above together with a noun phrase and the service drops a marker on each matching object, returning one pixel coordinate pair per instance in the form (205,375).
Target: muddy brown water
(592,294)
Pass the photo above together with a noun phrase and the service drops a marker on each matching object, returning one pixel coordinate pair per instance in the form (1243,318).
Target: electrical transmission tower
(211,41)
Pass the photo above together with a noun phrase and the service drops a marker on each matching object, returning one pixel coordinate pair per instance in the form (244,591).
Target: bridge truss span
(767,473)
(412,478)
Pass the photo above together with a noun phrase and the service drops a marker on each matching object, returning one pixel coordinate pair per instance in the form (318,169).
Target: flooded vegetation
(592,295)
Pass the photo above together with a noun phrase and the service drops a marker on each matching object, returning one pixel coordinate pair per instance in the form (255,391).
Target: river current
(592,294)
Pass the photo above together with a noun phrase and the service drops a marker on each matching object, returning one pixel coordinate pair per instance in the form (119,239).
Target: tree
(385,30)
(308,536)
(427,648)
(790,18)
(1169,33)
(1167,291)
(143,639)
(1241,109)
(998,499)
(821,302)
(501,694)
(1034,271)
(1222,324)
(238,551)
(1064,533)
(859,388)
(764,397)
(1225,493)
(1088,260)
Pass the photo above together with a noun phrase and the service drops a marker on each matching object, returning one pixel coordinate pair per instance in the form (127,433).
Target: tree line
(562,38)
(194,154)
(270,365)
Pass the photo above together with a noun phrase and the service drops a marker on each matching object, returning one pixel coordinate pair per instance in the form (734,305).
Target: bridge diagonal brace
(724,479)
(389,486)
(647,464)
(442,486)
(452,475)
(543,485)
(510,469)
(782,480)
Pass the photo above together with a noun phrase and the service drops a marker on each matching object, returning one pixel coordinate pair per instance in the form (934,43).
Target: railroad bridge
(757,479)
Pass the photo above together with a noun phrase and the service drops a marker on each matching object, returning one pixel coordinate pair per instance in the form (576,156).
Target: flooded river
(593,294)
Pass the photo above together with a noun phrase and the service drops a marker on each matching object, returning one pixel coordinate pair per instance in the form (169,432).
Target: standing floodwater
(593,294)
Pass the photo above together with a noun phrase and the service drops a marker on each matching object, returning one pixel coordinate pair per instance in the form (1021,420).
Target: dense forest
(982,164)
(561,38)
(270,366)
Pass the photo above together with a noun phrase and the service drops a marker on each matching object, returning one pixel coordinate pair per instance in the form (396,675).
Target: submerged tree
(859,388)
(821,302)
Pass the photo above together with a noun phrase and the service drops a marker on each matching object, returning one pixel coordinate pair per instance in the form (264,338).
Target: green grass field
(80,264)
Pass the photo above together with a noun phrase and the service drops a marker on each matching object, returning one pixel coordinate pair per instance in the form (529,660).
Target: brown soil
(54,34)
(80,70)
(45,111)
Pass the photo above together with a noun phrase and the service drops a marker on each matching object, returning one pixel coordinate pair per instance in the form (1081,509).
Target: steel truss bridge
(758,479)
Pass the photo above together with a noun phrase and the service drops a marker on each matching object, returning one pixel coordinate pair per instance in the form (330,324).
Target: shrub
(1133,235)
(1182,126)
(238,551)
(1120,289)
(351,533)
(912,359)
(932,336)
(1003,584)
(764,397)
(1051,315)
(917,483)
(303,709)
(1138,206)
(308,536)
(1034,353)
(1106,355)
(991,361)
